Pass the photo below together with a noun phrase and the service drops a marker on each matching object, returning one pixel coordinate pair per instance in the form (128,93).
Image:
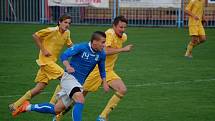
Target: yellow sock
(26,96)
(111,104)
(53,99)
(190,47)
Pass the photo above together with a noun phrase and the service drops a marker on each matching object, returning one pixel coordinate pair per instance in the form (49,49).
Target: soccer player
(50,41)
(84,57)
(114,45)
(195,11)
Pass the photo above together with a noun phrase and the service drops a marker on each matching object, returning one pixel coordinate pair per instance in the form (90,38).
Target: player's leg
(120,90)
(72,104)
(55,72)
(60,115)
(73,90)
(78,98)
(193,31)
(202,36)
(41,108)
(53,99)
(45,73)
(194,41)
(28,95)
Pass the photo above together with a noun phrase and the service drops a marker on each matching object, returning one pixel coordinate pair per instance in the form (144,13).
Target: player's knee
(195,41)
(58,109)
(79,98)
(77,95)
(122,90)
(202,39)
(36,90)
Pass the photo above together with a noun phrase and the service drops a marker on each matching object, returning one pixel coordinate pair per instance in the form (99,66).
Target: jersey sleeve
(190,5)
(124,37)
(101,65)
(109,39)
(69,41)
(70,52)
(43,32)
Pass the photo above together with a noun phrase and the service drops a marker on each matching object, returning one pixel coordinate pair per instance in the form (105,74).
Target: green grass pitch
(162,84)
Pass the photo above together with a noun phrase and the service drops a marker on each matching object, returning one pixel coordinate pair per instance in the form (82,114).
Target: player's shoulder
(124,35)
(102,53)
(56,28)
(53,28)
(193,1)
(67,31)
(82,45)
(110,31)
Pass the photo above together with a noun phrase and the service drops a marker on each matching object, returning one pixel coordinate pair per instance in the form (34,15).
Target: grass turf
(162,84)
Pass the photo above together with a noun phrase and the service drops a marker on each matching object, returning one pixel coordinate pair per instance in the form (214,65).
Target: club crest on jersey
(97,58)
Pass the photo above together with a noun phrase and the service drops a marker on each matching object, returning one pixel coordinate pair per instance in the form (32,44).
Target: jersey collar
(91,47)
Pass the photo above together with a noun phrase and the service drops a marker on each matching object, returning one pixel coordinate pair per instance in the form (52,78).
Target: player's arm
(109,42)
(204,19)
(110,51)
(39,44)
(189,13)
(66,55)
(101,65)
(188,10)
(69,41)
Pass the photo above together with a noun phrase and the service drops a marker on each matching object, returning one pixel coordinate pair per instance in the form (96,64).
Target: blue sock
(43,108)
(77,111)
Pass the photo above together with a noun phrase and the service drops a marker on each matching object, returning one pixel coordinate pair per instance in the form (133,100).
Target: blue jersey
(84,59)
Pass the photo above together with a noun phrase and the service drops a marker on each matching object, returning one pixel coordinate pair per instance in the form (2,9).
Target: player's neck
(61,31)
(93,47)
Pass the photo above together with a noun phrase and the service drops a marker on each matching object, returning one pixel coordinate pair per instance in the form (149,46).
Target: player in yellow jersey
(50,41)
(115,37)
(195,11)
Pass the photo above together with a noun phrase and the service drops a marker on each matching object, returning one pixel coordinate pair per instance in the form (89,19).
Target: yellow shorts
(197,30)
(94,80)
(48,72)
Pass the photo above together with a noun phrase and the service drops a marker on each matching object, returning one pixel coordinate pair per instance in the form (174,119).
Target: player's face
(120,28)
(100,44)
(64,25)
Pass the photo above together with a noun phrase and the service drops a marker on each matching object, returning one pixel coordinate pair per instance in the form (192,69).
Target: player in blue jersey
(84,57)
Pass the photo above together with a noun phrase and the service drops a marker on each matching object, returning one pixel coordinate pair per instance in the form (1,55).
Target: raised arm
(110,51)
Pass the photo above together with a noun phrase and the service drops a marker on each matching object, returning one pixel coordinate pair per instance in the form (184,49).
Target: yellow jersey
(113,41)
(53,41)
(196,7)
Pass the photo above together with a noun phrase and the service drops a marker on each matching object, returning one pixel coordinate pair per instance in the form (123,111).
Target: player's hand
(106,86)
(127,48)
(204,21)
(70,69)
(46,53)
(196,17)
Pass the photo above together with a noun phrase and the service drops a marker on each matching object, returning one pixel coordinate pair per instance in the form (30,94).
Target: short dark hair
(118,19)
(64,17)
(96,35)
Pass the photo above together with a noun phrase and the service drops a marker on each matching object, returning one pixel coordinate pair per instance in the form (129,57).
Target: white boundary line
(135,85)
(170,83)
